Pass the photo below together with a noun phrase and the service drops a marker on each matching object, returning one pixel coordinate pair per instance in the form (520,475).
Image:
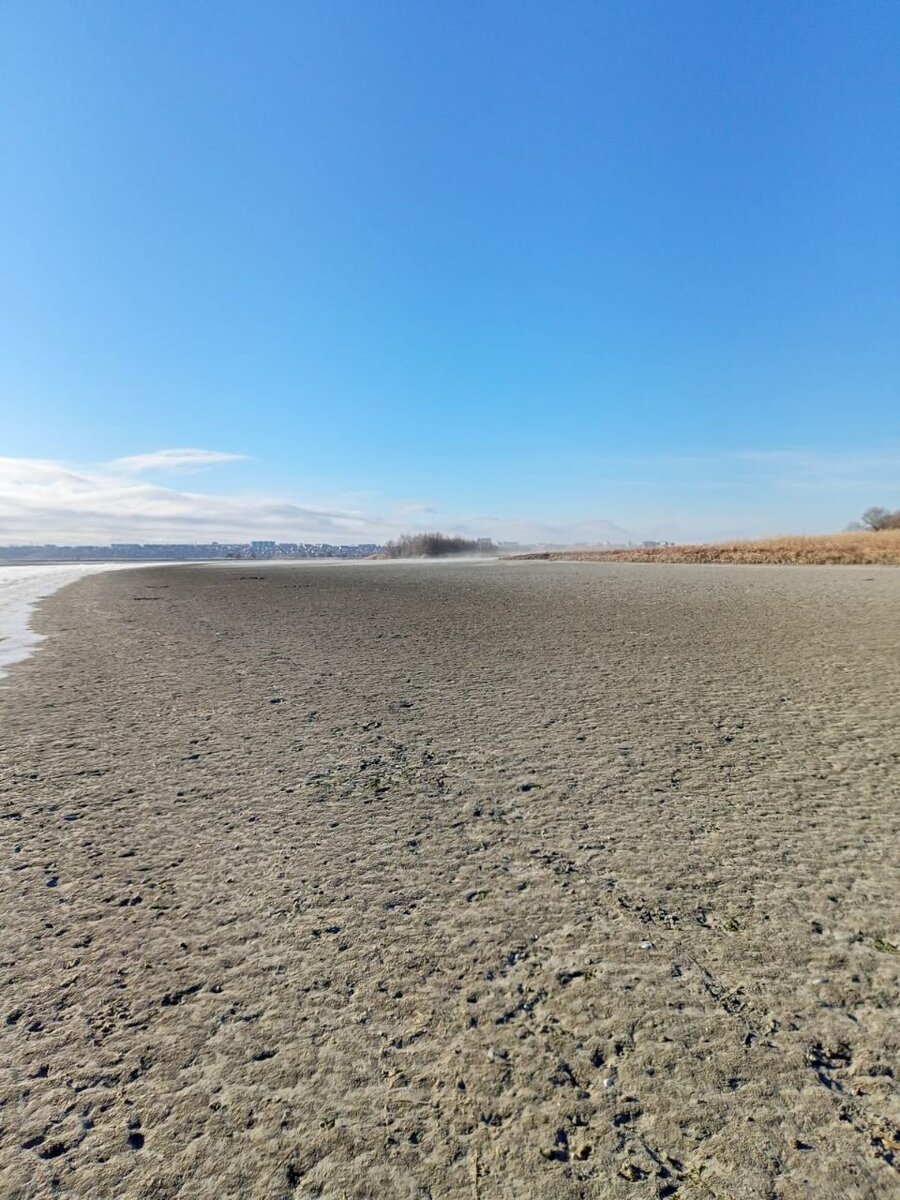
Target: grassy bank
(836,549)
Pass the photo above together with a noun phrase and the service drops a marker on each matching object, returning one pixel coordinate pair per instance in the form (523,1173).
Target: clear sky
(515,268)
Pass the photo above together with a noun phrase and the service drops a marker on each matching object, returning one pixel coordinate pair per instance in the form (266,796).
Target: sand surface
(522,880)
(21,586)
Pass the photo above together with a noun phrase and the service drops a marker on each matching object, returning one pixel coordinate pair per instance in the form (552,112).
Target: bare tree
(435,545)
(881,518)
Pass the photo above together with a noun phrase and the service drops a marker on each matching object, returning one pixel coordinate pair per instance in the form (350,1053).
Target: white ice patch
(20,589)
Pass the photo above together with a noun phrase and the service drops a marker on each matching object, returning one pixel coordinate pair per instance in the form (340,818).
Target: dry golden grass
(836,549)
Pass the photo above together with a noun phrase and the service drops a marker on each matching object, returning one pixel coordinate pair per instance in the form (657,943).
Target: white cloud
(174,460)
(826,464)
(49,502)
(43,501)
(587,532)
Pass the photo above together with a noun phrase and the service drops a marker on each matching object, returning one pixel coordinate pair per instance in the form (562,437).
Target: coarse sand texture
(458,881)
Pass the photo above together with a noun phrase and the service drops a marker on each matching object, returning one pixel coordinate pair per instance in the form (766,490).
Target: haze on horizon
(529,272)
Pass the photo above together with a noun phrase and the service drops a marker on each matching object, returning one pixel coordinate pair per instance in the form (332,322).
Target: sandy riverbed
(522,880)
(22,585)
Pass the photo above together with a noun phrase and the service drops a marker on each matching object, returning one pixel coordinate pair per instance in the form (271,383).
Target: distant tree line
(435,545)
(879,518)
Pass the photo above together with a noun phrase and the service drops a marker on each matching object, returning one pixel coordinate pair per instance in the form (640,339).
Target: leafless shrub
(435,545)
(881,518)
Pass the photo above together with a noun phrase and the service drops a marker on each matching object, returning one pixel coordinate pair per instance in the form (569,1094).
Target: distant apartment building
(262,549)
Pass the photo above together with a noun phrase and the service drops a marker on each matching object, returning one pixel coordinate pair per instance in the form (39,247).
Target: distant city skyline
(542,273)
(259,549)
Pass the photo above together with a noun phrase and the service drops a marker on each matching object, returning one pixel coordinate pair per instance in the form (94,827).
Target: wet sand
(515,880)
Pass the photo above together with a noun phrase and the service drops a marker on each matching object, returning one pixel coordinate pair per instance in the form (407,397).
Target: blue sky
(514,268)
